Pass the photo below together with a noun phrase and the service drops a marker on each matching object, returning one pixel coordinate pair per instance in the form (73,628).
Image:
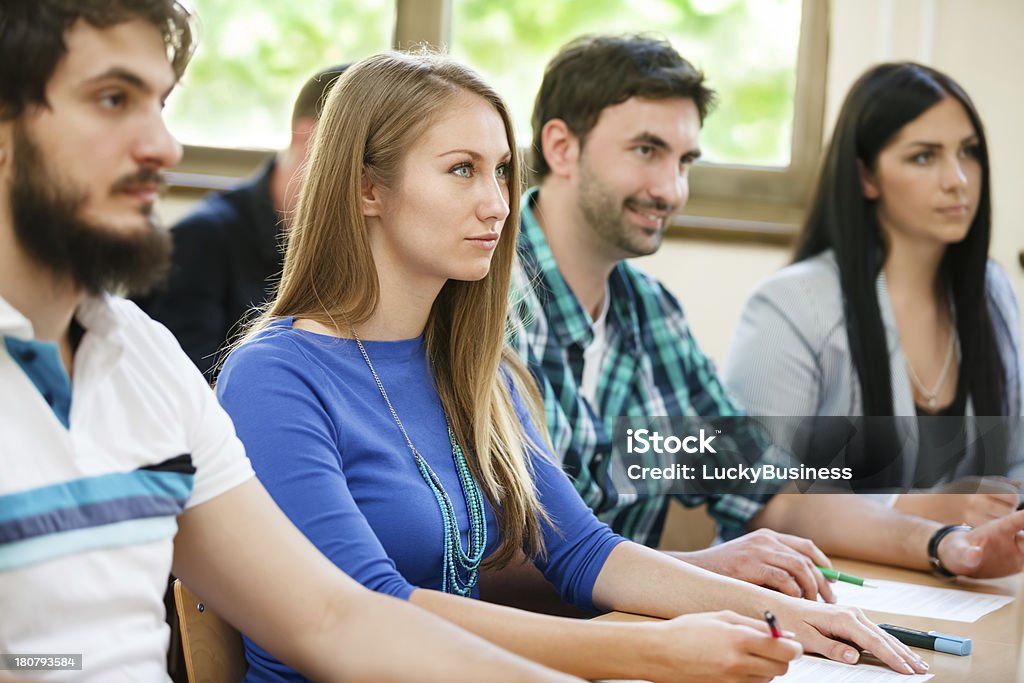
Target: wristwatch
(933,548)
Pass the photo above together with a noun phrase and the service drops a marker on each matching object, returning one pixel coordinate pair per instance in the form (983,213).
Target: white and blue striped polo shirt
(93,474)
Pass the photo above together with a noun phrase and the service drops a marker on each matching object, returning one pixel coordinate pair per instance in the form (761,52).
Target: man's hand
(993,549)
(767,558)
(969,500)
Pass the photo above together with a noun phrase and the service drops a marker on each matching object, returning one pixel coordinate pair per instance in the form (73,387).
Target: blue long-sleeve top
(323,442)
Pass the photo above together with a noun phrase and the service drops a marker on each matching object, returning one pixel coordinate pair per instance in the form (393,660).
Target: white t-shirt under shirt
(92,477)
(592,354)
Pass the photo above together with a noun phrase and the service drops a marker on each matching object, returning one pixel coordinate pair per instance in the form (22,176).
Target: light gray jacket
(790,354)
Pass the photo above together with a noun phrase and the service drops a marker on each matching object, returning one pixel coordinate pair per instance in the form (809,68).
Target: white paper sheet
(896,597)
(817,669)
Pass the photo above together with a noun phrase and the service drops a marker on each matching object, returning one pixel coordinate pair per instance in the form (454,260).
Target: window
(747,49)
(767,59)
(254,56)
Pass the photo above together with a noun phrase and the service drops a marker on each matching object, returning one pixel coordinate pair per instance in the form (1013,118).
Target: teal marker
(847,578)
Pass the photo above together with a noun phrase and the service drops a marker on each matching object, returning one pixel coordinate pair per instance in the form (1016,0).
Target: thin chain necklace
(931,396)
(460,569)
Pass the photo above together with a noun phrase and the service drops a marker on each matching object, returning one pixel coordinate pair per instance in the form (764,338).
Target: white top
(85,533)
(594,351)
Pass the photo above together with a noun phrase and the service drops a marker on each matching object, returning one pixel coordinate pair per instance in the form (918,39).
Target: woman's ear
(371,196)
(868,185)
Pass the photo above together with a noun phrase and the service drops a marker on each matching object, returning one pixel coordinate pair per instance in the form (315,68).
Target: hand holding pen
(719,647)
(773,625)
(833,575)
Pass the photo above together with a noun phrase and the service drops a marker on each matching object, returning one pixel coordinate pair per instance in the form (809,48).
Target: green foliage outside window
(254,56)
(746,48)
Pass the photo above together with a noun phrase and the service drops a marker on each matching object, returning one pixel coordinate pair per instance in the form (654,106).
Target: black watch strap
(933,548)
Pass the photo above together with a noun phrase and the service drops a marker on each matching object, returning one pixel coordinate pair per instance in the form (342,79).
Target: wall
(175,205)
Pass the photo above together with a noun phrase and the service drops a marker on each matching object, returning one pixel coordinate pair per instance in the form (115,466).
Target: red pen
(773,624)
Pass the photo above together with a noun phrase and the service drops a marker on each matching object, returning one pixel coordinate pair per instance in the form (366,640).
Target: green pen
(847,578)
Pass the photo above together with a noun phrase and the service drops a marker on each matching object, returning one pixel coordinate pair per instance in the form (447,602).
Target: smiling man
(116,460)
(617,126)
(616,129)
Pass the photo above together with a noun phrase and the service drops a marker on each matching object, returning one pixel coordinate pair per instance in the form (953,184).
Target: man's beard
(604,213)
(49,227)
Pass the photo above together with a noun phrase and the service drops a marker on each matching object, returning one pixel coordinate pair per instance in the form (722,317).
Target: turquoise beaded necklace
(460,569)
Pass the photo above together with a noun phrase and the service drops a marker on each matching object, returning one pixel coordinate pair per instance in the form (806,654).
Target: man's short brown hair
(310,101)
(591,73)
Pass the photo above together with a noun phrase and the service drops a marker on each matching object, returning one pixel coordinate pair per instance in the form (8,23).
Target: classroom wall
(975,41)
(175,205)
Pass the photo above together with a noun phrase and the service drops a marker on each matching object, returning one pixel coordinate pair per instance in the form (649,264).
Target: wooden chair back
(212,647)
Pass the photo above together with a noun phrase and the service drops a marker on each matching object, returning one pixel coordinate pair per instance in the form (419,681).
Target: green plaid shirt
(651,366)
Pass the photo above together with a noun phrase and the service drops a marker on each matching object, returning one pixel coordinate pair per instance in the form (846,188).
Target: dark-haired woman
(892,307)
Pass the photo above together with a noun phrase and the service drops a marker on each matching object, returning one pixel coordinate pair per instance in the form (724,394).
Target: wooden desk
(997,635)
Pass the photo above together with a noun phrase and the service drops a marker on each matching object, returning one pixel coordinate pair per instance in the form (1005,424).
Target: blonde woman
(382,411)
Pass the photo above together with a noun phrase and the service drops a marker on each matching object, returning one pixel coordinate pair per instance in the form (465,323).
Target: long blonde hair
(372,116)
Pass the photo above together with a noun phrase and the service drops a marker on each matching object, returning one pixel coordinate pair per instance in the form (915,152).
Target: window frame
(767,204)
(727,201)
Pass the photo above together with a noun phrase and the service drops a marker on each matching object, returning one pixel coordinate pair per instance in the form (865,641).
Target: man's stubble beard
(604,213)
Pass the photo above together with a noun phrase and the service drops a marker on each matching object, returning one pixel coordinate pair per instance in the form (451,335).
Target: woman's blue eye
(463,170)
(503,170)
(922,158)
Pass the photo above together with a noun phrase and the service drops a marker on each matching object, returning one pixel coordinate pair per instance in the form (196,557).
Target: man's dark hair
(32,40)
(594,72)
(310,101)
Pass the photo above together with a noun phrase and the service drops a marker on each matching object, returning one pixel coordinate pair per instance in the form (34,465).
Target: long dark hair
(879,104)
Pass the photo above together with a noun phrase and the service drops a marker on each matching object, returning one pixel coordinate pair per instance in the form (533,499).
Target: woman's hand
(830,630)
(713,647)
(969,500)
